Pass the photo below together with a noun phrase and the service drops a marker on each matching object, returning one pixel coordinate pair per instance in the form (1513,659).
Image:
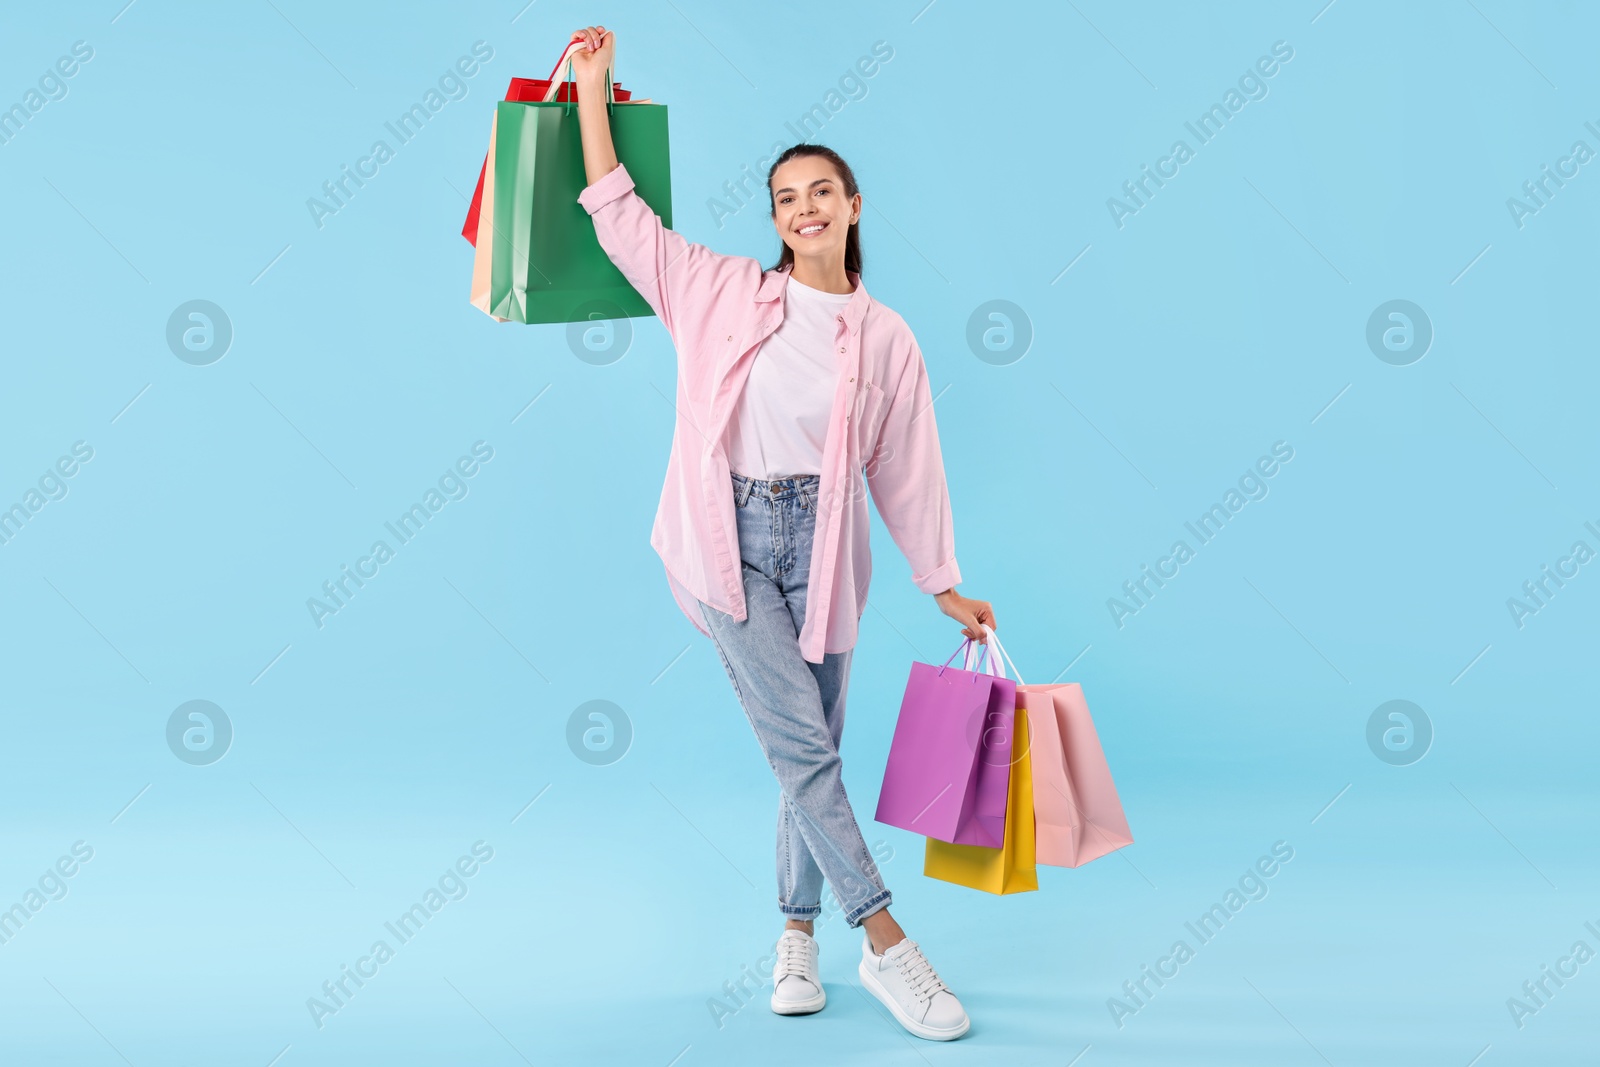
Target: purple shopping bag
(950,762)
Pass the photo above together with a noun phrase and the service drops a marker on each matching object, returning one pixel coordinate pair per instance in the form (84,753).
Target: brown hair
(852,241)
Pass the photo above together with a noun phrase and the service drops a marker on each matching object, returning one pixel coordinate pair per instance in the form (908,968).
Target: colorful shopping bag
(546,264)
(483,242)
(1078,815)
(530,89)
(950,761)
(1009,868)
(1078,811)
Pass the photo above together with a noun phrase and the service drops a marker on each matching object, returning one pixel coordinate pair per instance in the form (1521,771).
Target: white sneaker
(904,980)
(796,985)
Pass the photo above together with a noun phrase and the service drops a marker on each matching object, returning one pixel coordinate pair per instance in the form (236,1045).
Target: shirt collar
(776,281)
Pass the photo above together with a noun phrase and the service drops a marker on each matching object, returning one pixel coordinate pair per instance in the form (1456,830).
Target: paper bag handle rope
(965,646)
(565,61)
(995,642)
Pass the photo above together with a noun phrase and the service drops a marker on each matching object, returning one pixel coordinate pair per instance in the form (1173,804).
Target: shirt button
(841,350)
(730,337)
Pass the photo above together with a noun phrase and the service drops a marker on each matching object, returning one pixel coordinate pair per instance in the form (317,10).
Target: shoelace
(794,957)
(919,973)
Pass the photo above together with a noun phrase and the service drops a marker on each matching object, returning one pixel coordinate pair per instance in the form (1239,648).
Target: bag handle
(966,647)
(979,657)
(554,88)
(993,642)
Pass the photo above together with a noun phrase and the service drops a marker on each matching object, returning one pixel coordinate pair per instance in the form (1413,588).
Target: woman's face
(807,194)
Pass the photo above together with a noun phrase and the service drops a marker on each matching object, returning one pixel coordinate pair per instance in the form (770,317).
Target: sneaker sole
(875,987)
(800,1007)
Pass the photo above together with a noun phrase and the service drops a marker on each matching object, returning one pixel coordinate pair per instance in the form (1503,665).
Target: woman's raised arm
(678,278)
(591,69)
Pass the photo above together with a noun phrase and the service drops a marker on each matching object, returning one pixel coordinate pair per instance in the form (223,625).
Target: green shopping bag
(548,265)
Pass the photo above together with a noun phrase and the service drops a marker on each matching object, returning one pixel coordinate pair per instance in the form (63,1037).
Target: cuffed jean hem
(877,902)
(792,911)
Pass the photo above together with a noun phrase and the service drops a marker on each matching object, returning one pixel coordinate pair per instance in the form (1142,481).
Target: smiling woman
(794,384)
(822,176)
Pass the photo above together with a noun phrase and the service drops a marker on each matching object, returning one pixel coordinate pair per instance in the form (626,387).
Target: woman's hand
(972,614)
(594,61)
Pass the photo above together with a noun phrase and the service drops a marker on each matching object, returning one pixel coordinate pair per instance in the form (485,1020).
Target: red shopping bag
(532,90)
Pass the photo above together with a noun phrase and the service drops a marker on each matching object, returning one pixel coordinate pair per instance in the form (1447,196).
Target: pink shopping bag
(1077,814)
(950,761)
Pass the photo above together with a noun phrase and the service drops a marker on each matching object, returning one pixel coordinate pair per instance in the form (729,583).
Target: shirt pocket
(866,412)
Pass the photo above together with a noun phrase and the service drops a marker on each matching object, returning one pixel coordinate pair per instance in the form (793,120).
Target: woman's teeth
(812,230)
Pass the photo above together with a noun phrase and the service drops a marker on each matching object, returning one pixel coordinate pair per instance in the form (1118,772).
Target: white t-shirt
(781,420)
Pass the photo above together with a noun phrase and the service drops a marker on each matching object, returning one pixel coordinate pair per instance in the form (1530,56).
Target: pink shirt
(717,310)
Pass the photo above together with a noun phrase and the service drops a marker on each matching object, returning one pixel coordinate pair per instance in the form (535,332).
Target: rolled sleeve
(609,186)
(946,576)
(676,277)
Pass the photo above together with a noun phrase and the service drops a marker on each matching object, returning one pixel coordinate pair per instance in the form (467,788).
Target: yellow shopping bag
(1010,868)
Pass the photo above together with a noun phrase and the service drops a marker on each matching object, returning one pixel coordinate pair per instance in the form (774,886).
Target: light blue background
(1228,314)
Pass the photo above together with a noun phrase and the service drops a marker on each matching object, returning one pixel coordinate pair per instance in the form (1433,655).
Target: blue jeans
(795,707)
